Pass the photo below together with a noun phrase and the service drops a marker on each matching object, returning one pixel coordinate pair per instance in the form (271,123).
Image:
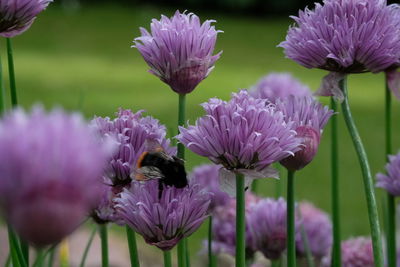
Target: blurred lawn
(83,60)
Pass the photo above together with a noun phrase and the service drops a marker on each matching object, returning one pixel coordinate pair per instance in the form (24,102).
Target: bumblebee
(156,164)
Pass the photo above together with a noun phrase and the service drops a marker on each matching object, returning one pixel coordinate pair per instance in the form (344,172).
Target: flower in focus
(345,36)
(163,220)
(267,223)
(179,50)
(131,131)
(224,227)
(50,176)
(207,176)
(390,181)
(309,118)
(279,85)
(318,229)
(244,135)
(18,15)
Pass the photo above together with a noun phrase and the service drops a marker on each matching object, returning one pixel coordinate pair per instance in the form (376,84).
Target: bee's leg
(160,188)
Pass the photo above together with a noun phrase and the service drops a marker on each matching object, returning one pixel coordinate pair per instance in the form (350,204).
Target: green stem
(25,250)
(130,234)
(104,244)
(367,178)
(278,183)
(16,254)
(291,244)
(276,263)
(240,222)
(167,258)
(309,256)
(2,105)
(187,253)
(391,209)
(52,253)
(181,154)
(39,258)
(88,245)
(211,256)
(11,72)
(336,248)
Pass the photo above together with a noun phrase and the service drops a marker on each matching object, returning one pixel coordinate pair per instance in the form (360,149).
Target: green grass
(83,60)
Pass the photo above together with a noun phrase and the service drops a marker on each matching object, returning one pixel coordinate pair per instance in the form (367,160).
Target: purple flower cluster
(179,50)
(279,85)
(242,134)
(347,36)
(163,221)
(51,167)
(317,227)
(390,181)
(18,15)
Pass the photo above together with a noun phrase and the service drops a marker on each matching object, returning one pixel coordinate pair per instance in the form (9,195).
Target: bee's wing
(148,172)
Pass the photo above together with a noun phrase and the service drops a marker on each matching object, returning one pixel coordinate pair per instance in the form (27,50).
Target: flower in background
(51,167)
(279,85)
(309,118)
(244,135)
(224,227)
(207,176)
(345,36)
(267,224)
(317,228)
(390,181)
(131,131)
(163,220)
(18,15)
(179,50)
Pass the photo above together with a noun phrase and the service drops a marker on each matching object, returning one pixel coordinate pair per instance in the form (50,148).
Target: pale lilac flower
(224,227)
(163,221)
(18,15)
(104,211)
(317,228)
(179,50)
(51,167)
(390,181)
(244,135)
(279,85)
(309,118)
(357,252)
(207,176)
(132,131)
(267,224)
(345,36)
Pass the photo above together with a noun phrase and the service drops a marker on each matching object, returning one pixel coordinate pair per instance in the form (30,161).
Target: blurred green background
(81,59)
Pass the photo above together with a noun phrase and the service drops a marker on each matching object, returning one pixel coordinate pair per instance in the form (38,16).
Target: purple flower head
(347,36)
(18,15)
(357,252)
(207,176)
(224,227)
(244,135)
(104,210)
(163,221)
(390,181)
(318,230)
(131,131)
(279,85)
(309,118)
(267,223)
(51,174)
(179,50)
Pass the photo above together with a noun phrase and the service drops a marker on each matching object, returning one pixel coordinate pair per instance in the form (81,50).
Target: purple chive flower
(309,118)
(318,230)
(345,36)
(131,131)
(50,166)
(207,176)
(163,221)
(279,85)
(104,210)
(244,135)
(224,227)
(267,223)
(357,252)
(390,181)
(18,15)
(179,50)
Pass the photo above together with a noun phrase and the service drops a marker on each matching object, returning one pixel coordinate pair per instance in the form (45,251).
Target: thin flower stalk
(240,222)
(11,73)
(87,248)
(167,258)
(104,245)
(291,231)
(367,179)
(130,234)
